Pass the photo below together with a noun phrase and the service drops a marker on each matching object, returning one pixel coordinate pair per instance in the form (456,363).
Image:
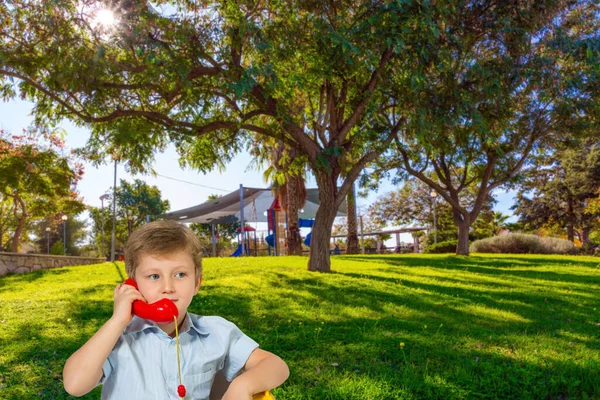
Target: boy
(135,358)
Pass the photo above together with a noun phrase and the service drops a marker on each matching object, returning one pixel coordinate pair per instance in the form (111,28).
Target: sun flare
(105,18)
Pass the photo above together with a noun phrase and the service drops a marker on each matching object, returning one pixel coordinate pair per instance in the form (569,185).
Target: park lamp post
(434,196)
(102,198)
(114,216)
(48,240)
(64,218)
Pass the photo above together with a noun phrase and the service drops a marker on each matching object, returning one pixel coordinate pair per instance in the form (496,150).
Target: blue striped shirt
(143,363)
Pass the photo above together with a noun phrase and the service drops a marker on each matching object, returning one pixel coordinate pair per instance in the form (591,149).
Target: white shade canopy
(226,209)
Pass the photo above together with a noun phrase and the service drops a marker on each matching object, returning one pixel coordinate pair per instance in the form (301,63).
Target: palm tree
(286,172)
(498,222)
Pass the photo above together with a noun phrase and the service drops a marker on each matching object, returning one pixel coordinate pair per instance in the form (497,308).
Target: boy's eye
(153,277)
(180,274)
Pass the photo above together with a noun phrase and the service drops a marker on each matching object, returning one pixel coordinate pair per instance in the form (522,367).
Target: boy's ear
(198,283)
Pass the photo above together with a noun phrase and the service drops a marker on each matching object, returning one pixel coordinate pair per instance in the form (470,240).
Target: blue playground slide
(306,223)
(307,240)
(238,252)
(302,223)
(270,240)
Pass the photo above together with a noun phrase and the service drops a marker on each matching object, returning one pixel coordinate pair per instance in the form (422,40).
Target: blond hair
(162,238)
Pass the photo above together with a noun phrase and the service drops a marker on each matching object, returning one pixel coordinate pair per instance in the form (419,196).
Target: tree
(489,223)
(7,223)
(286,172)
(138,200)
(505,82)
(558,188)
(36,178)
(135,200)
(75,233)
(412,205)
(369,224)
(305,73)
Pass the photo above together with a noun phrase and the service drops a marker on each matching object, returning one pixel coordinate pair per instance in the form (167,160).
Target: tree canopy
(558,188)
(506,82)
(336,81)
(37,179)
(135,201)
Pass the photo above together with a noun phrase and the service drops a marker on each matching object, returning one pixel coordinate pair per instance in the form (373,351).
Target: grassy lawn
(378,327)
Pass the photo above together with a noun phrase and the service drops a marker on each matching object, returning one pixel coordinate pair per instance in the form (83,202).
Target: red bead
(181,390)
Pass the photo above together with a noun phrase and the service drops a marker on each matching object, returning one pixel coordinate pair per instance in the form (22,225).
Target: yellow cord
(177,347)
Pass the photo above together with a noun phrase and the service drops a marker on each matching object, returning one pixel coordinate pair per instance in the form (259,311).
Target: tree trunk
(21,223)
(464,224)
(585,236)
(352,247)
(571,220)
(462,249)
(570,233)
(321,233)
(294,239)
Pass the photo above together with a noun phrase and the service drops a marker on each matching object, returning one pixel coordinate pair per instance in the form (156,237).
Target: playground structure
(250,247)
(251,205)
(257,205)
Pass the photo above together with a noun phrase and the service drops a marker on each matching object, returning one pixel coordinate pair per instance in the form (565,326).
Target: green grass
(483,327)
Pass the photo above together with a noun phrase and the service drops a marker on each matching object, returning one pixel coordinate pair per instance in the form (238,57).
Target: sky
(15,116)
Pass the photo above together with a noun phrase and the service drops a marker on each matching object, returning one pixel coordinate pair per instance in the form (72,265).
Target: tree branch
(418,174)
(368,93)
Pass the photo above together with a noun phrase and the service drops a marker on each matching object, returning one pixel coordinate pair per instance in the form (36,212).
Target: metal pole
(434,221)
(114,216)
(64,237)
(102,212)
(48,241)
(243,248)
(213,239)
(362,237)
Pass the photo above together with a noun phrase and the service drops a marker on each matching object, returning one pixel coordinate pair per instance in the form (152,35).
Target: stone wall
(21,263)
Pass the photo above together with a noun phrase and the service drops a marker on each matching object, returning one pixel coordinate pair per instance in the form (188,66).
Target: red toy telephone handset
(162,311)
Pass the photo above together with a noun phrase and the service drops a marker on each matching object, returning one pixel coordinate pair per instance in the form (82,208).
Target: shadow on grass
(489,266)
(9,281)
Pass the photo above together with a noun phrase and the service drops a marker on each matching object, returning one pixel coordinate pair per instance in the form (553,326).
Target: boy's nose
(167,286)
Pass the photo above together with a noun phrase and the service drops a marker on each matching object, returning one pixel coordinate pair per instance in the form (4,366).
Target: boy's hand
(125,295)
(237,390)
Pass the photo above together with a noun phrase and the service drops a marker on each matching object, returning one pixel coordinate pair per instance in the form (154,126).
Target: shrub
(520,243)
(449,246)
(57,248)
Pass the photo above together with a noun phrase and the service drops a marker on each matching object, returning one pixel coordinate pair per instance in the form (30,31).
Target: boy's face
(170,276)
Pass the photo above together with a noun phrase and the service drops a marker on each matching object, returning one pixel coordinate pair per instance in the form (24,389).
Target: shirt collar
(138,324)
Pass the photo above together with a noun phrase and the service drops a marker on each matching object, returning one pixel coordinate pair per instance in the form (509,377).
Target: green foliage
(37,178)
(363,333)
(448,246)
(519,243)
(135,200)
(561,188)
(57,248)
(207,76)
(484,102)
(487,224)
(75,233)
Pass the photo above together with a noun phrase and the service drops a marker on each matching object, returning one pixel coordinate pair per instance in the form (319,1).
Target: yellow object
(263,396)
